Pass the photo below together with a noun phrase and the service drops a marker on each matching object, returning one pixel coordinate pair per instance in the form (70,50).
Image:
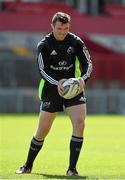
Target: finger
(81,84)
(60,90)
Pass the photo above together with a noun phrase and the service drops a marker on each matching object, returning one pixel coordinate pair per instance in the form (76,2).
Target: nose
(63,33)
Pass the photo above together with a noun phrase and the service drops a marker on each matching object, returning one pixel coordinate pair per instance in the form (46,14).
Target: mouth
(62,36)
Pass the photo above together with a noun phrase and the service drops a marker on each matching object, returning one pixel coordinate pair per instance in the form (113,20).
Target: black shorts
(53,102)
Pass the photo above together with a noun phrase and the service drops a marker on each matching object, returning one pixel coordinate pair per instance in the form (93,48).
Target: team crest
(70,50)
(46,104)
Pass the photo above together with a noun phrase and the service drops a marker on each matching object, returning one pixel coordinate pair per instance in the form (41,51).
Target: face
(60,30)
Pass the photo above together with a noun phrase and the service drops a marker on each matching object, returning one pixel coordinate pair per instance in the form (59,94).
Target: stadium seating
(38,8)
(114,10)
(36,17)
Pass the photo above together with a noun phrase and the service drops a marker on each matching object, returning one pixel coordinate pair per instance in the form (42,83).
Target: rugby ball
(71,88)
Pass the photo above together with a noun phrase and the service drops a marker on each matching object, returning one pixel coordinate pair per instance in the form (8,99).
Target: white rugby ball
(71,88)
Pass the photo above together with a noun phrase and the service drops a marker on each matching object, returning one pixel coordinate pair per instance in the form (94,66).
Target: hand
(81,83)
(60,87)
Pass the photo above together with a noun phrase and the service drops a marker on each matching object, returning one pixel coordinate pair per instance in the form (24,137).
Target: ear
(52,26)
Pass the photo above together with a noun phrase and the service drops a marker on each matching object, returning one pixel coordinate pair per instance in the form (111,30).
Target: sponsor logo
(62,63)
(83,99)
(61,67)
(46,104)
(53,53)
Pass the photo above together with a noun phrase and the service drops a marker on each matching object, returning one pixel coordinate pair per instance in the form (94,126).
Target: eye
(66,28)
(59,28)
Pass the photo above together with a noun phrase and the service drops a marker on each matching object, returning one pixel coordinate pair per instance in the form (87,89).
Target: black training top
(57,59)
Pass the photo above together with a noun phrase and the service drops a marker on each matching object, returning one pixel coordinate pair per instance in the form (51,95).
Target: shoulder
(43,42)
(76,38)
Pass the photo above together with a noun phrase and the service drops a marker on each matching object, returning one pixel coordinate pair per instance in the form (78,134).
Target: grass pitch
(102,156)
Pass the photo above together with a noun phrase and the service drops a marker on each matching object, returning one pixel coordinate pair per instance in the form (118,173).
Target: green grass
(102,156)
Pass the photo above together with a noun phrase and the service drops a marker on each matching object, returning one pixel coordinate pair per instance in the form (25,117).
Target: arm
(84,59)
(43,64)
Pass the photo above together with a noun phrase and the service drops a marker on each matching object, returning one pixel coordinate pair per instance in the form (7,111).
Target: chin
(61,38)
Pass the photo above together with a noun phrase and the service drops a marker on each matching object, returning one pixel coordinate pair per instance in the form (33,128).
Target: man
(58,54)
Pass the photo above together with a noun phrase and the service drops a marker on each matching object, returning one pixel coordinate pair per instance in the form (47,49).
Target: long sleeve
(43,64)
(84,59)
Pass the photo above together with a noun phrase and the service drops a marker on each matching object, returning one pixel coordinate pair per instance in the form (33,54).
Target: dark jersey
(57,59)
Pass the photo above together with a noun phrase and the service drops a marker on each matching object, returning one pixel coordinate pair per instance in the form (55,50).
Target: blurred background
(100,23)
